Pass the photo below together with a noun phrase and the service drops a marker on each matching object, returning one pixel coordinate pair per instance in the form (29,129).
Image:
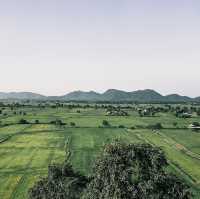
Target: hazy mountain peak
(146,95)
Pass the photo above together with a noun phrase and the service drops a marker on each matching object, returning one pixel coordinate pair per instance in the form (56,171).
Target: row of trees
(55,122)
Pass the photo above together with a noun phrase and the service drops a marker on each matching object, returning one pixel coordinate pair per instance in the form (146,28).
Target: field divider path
(175,166)
(179,146)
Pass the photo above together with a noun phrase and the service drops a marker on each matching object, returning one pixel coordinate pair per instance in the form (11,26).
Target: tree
(134,172)
(175,124)
(72,124)
(158,126)
(62,183)
(121,126)
(105,123)
(23,121)
(57,122)
(37,121)
(155,126)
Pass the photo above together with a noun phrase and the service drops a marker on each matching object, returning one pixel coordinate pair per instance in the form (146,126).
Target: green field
(26,150)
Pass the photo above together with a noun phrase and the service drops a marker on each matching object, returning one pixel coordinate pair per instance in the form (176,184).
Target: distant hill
(147,95)
(21,95)
(176,97)
(197,99)
(82,96)
(114,95)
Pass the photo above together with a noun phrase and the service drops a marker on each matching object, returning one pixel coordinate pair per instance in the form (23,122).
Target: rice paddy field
(26,150)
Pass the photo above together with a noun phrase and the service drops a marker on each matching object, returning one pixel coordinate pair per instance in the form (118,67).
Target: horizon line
(78,90)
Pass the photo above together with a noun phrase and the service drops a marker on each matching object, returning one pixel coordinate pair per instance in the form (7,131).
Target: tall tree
(134,172)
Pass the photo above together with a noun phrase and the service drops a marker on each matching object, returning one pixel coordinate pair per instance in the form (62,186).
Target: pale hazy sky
(56,46)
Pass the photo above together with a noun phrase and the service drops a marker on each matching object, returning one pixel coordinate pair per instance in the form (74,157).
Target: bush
(121,126)
(155,126)
(23,121)
(105,123)
(37,121)
(57,122)
(132,128)
(72,124)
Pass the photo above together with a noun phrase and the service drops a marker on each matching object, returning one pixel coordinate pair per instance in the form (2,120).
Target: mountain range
(115,95)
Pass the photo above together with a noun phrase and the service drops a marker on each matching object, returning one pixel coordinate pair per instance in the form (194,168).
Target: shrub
(23,121)
(105,123)
(72,124)
(57,122)
(37,121)
(155,126)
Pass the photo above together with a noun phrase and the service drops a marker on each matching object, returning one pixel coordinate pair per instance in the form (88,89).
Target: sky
(53,47)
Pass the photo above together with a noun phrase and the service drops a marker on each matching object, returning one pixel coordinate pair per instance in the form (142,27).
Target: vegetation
(23,121)
(26,149)
(62,182)
(122,172)
(105,123)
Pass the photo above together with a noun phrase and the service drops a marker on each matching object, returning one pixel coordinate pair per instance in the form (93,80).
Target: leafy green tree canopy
(134,172)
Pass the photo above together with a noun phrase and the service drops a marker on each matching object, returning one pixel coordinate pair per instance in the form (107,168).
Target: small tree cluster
(57,122)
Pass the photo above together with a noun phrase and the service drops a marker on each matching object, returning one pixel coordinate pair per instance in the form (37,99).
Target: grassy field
(26,150)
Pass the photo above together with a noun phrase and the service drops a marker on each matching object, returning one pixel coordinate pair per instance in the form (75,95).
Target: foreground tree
(62,183)
(134,172)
